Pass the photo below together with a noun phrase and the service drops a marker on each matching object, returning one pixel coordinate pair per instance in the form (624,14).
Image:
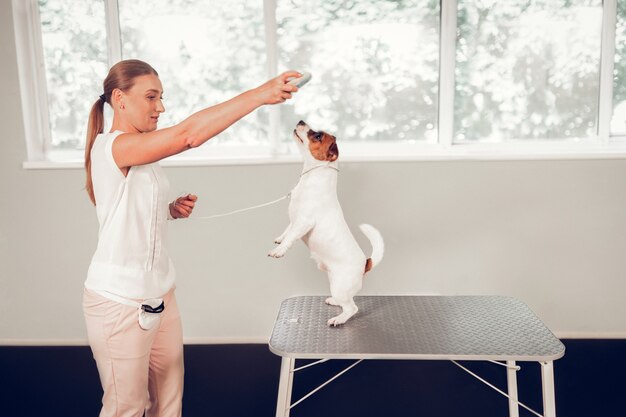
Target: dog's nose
(301,123)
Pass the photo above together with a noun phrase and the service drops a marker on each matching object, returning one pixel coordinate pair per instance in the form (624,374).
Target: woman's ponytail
(95,127)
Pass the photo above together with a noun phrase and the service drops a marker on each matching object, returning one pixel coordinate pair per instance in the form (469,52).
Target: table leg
(547,382)
(284,387)
(511,378)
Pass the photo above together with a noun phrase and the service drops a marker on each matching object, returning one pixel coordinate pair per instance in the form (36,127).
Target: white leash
(241,210)
(264,204)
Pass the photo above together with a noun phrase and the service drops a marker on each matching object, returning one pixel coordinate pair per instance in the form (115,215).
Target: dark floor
(242,381)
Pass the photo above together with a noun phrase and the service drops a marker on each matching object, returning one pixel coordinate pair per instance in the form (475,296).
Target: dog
(316,217)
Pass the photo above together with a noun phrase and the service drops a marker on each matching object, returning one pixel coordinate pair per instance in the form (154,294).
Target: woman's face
(143,103)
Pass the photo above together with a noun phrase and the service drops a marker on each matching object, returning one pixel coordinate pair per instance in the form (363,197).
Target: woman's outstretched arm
(131,149)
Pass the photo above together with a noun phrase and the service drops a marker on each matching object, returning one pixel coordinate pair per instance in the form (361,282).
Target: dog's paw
(336,321)
(278,240)
(331,301)
(277,252)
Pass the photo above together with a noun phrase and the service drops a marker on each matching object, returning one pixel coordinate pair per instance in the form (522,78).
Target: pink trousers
(140,370)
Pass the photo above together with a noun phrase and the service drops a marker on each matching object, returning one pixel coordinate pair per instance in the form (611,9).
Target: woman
(132,319)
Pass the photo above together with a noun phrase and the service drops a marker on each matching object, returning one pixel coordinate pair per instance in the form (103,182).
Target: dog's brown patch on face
(368,265)
(323,146)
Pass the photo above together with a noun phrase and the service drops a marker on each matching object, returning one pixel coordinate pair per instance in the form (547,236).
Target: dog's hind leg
(349,309)
(343,287)
(294,232)
(331,301)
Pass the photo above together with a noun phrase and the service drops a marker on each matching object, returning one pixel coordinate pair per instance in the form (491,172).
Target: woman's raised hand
(277,90)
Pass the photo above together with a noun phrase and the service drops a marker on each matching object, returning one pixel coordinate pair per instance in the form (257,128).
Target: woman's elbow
(193,141)
(187,140)
(192,138)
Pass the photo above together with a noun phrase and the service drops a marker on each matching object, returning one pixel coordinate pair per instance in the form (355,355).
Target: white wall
(552,233)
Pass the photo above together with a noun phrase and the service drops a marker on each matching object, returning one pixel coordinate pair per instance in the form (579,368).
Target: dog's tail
(378,245)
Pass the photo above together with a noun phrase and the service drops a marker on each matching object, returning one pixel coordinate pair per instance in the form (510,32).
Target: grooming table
(490,328)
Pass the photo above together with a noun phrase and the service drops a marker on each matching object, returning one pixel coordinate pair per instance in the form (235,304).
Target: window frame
(32,79)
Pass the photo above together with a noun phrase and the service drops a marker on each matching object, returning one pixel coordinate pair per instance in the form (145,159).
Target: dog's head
(320,145)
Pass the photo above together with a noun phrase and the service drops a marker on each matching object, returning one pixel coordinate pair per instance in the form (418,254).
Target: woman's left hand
(182,207)
(277,90)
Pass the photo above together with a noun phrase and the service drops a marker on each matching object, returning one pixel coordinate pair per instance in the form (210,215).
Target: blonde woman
(131,315)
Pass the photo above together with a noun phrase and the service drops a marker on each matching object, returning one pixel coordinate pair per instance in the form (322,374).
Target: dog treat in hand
(299,82)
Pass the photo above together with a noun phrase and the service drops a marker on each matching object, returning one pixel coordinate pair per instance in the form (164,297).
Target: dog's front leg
(280,238)
(294,232)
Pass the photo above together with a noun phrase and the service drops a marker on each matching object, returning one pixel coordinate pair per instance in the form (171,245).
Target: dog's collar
(319,166)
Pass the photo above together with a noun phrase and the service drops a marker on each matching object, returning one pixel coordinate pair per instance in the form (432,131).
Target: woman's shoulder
(102,148)
(106,138)
(111,134)
(102,135)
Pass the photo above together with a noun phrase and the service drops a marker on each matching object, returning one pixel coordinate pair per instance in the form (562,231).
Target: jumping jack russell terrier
(316,217)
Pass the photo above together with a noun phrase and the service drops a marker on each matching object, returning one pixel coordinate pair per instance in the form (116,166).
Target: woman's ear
(117,99)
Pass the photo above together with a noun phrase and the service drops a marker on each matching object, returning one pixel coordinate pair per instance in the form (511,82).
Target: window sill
(402,153)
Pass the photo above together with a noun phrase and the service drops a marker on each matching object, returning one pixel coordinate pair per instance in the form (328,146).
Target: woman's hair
(121,75)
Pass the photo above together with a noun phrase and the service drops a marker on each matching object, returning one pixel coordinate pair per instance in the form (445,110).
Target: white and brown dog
(316,217)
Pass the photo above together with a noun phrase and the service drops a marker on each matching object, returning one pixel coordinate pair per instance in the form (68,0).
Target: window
(376,64)
(401,79)
(527,70)
(75,57)
(618,122)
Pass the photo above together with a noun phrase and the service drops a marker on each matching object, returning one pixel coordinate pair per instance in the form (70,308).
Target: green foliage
(375,66)
(619,86)
(75,57)
(527,69)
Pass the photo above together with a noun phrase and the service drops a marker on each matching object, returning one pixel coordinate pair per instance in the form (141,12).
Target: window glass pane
(205,53)
(618,123)
(527,69)
(375,67)
(75,57)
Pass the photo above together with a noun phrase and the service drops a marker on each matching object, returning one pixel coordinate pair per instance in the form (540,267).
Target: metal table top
(415,327)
